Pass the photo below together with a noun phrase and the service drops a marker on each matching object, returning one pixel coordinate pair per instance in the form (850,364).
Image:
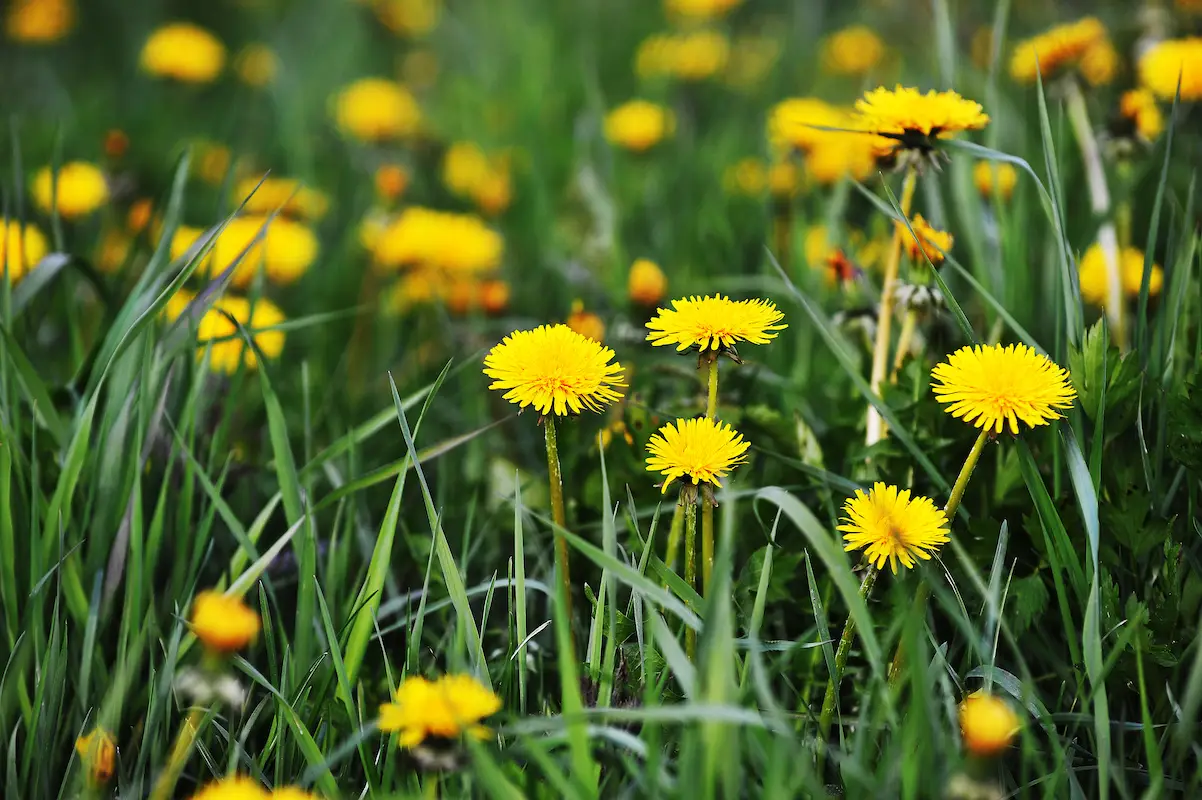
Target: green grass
(388,516)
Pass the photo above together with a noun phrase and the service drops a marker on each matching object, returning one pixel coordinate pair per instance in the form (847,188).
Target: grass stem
(164,787)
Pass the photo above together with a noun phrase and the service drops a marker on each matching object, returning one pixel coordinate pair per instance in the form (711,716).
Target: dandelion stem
(690,557)
(711,406)
(909,327)
(831,698)
(164,787)
(880,350)
(557,512)
(674,533)
(707,504)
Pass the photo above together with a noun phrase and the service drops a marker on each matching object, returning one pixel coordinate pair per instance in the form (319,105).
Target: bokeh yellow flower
(930,243)
(1099,63)
(586,323)
(847,156)
(752,58)
(646,285)
(141,212)
(854,50)
(987,724)
(916,120)
(391,181)
(699,10)
(555,370)
(701,449)
(235,787)
(98,753)
(445,708)
(638,125)
(226,348)
(286,195)
(21,248)
(411,18)
(212,162)
(282,248)
(1092,275)
(494,296)
(1166,61)
(377,109)
(112,251)
(224,624)
(822,254)
(470,173)
(689,56)
(80,189)
(891,526)
(715,323)
(1138,109)
(457,243)
(184,52)
(39,21)
(995,175)
(1055,49)
(798,124)
(991,386)
(747,177)
(257,65)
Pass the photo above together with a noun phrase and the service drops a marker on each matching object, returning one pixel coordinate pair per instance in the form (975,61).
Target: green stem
(164,787)
(690,560)
(707,505)
(674,534)
(711,406)
(831,699)
(557,512)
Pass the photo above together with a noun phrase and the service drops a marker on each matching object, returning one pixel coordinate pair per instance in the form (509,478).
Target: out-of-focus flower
(987,724)
(391,181)
(377,109)
(223,623)
(689,56)
(455,243)
(286,195)
(1165,62)
(1139,112)
(411,18)
(1055,49)
(39,21)
(21,248)
(225,354)
(98,752)
(638,125)
(141,212)
(849,156)
(1093,277)
(416,287)
(461,294)
(821,254)
(988,175)
(284,251)
(746,177)
(470,173)
(1100,63)
(443,709)
(235,787)
(77,190)
(646,284)
(184,52)
(420,67)
(494,296)
(112,251)
(799,124)
(586,323)
(115,143)
(212,163)
(699,10)
(854,50)
(927,242)
(257,65)
(751,60)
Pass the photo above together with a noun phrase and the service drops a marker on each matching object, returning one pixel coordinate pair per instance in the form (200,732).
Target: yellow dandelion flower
(586,323)
(78,189)
(554,369)
(854,50)
(442,709)
(235,787)
(112,251)
(184,52)
(796,123)
(39,21)
(224,624)
(468,172)
(646,285)
(715,323)
(391,182)
(916,120)
(747,177)
(931,242)
(494,296)
(457,243)
(177,304)
(257,65)
(890,525)
(219,337)
(992,386)
(1054,49)
(98,752)
(1166,61)
(21,248)
(692,56)
(412,18)
(751,60)
(282,248)
(1092,274)
(461,294)
(850,156)
(700,449)
(987,724)
(638,125)
(988,175)
(377,109)
(1138,109)
(287,195)
(821,254)
(1100,63)
(141,212)
(699,10)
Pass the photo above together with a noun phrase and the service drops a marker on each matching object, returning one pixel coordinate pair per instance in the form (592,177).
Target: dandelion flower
(1100,63)
(987,723)
(586,323)
(700,10)
(1166,61)
(930,243)
(914,120)
(470,173)
(1092,275)
(443,709)
(412,18)
(494,296)
(235,787)
(455,243)
(78,189)
(854,50)
(554,369)
(692,56)
(377,109)
(1055,49)
(224,624)
(21,248)
(797,122)
(646,284)
(257,65)
(283,248)
(226,348)
(1140,115)
(287,195)
(715,323)
(98,752)
(991,175)
(700,449)
(892,526)
(39,21)
(184,52)
(849,156)
(992,386)
(391,181)
(638,125)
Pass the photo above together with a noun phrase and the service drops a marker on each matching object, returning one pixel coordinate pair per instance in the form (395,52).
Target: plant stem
(711,406)
(557,512)
(707,505)
(831,698)
(690,560)
(674,533)
(903,343)
(880,350)
(164,787)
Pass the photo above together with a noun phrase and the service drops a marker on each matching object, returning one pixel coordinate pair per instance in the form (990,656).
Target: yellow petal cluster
(554,369)
(991,176)
(286,195)
(688,56)
(994,386)
(223,623)
(1093,277)
(1055,49)
(445,708)
(715,323)
(21,248)
(927,242)
(891,526)
(639,125)
(98,753)
(282,248)
(440,240)
(1165,62)
(77,190)
(377,109)
(184,52)
(854,50)
(1138,108)
(700,449)
(904,113)
(988,724)
(218,337)
(39,21)
(470,173)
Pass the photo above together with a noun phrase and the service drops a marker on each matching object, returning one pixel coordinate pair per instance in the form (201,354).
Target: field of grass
(256,263)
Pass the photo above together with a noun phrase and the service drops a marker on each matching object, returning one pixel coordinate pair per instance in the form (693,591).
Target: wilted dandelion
(1093,275)
(554,369)
(98,753)
(987,724)
(854,50)
(927,241)
(223,623)
(21,248)
(1056,49)
(646,285)
(701,450)
(39,21)
(995,386)
(715,323)
(377,109)
(445,708)
(891,526)
(184,52)
(991,176)
(638,125)
(78,189)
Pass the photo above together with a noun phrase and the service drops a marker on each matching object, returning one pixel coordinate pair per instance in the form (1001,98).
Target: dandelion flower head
(646,285)
(914,119)
(283,248)
(991,175)
(184,52)
(224,624)
(444,709)
(994,386)
(1140,113)
(259,195)
(700,449)
(376,110)
(926,242)
(235,787)
(854,50)
(455,243)
(554,369)
(639,125)
(987,724)
(1054,49)
(586,323)
(689,56)
(98,752)
(257,65)
(1100,63)
(21,248)
(39,21)
(1093,277)
(410,18)
(891,526)
(470,173)
(226,348)
(1166,61)
(699,10)
(77,190)
(715,323)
